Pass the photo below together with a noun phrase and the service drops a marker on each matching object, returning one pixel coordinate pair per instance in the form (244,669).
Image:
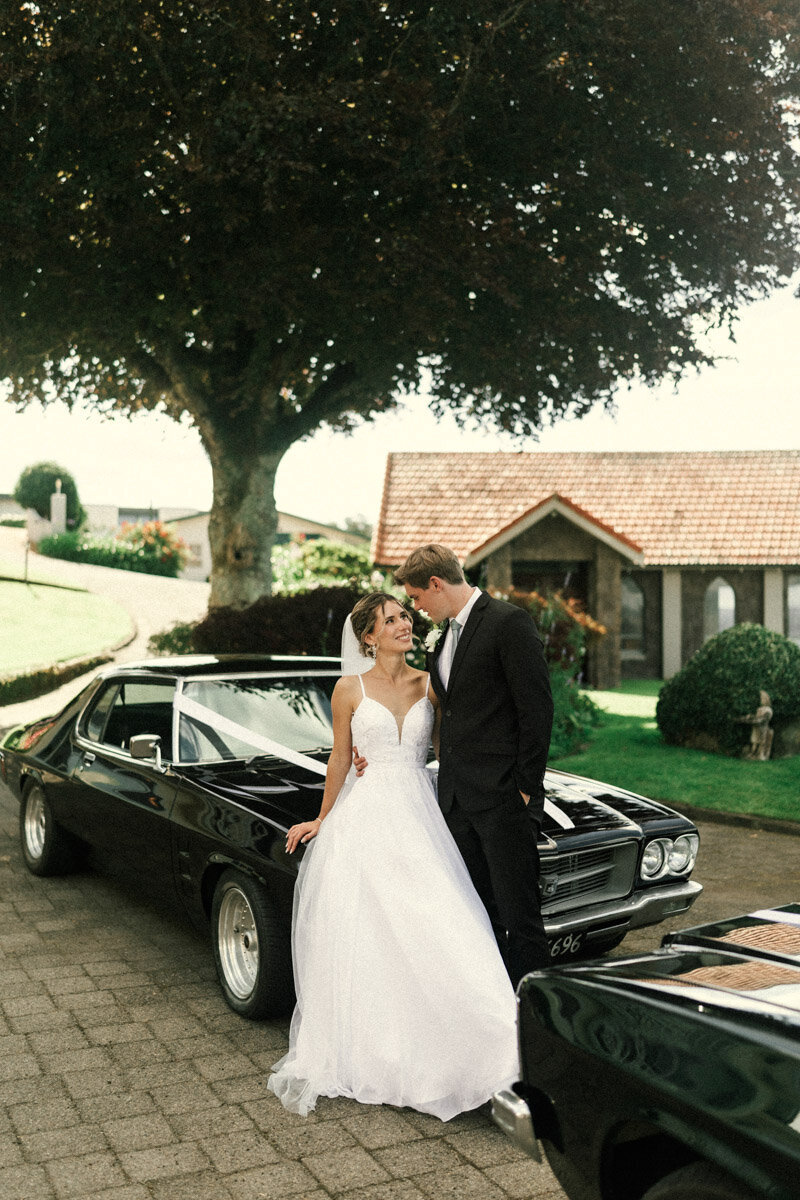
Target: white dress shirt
(448,649)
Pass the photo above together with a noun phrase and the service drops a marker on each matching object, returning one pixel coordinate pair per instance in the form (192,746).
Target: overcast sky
(751,401)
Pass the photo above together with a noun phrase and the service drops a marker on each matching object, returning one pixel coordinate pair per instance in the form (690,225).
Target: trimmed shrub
(178,639)
(150,548)
(721,682)
(36,485)
(14,689)
(304,623)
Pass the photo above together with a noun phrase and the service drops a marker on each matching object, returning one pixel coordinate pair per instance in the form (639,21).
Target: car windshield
(236,718)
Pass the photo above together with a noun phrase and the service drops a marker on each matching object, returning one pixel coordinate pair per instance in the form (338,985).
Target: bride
(402,996)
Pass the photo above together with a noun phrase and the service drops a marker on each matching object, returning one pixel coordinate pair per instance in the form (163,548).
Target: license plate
(564,946)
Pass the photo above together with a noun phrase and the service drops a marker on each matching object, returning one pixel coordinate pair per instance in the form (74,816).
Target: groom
(491,677)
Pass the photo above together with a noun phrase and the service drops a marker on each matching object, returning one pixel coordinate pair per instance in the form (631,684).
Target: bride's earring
(372,652)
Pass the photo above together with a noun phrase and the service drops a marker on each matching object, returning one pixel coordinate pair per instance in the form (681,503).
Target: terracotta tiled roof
(733,508)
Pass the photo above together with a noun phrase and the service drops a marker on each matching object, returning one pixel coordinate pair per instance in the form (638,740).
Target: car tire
(47,849)
(699,1181)
(252,948)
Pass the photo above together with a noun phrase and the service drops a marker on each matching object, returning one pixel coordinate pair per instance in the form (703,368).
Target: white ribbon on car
(208,716)
(558,815)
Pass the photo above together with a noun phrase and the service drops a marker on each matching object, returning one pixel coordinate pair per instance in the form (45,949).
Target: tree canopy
(273,216)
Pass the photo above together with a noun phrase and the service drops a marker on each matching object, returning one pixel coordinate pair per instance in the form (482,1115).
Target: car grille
(588,876)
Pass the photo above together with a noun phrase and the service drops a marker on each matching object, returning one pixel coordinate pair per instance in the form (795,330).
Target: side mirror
(145,746)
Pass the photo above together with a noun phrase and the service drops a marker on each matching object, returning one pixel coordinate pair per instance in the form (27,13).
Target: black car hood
(576,805)
(592,806)
(263,784)
(748,968)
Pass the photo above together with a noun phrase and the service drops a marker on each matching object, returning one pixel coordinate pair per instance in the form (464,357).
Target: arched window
(719,608)
(793,608)
(632,630)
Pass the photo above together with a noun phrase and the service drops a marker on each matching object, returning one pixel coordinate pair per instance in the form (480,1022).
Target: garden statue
(761,735)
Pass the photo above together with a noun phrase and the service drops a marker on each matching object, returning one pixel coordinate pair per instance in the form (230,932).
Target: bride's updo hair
(365,614)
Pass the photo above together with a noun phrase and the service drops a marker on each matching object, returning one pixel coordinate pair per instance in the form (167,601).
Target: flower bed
(150,548)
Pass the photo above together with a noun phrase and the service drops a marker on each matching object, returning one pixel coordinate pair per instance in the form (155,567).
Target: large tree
(272,216)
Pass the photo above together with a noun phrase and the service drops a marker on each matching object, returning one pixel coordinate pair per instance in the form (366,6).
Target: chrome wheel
(252,947)
(46,848)
(34,823)
(238,943)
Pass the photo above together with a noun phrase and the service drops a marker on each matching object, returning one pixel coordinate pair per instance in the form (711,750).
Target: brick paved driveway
(124,1076)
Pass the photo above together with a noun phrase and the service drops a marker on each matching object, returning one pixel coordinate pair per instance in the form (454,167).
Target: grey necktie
(455,630)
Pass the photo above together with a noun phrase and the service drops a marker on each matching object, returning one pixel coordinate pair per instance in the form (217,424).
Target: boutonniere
(432,639)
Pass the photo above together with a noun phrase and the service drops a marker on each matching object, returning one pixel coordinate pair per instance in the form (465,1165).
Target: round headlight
(683,853)
(653,859)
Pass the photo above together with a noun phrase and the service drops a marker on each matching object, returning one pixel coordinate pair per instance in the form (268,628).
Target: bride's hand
(301,833)
(359,762)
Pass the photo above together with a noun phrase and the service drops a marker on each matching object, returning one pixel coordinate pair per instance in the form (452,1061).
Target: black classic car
(673,1075)
(191,770)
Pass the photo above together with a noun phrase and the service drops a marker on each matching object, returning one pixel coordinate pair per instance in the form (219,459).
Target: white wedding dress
(402,996)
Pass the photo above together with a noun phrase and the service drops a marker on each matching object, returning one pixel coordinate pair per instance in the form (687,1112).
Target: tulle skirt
(402,996)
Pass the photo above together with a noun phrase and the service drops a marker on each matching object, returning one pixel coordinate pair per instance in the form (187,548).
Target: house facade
(665,549)
(193,531)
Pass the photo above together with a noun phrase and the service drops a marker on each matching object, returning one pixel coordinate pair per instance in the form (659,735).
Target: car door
(123,805)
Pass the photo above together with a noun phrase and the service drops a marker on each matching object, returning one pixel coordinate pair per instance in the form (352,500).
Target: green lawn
(627,750)
(40,626)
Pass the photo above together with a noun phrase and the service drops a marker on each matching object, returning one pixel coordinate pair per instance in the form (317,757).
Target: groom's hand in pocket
(359,762)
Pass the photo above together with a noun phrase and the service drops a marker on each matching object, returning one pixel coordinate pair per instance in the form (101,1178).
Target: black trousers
(498,845)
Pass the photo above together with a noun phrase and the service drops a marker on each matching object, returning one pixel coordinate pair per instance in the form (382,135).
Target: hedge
(702,704)
(15,689)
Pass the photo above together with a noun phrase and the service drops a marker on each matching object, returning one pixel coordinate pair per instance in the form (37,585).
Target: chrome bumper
(512,1115)
(645,908)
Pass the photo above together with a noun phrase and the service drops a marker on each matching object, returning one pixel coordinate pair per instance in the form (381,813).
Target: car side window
(140,706)
(95,722)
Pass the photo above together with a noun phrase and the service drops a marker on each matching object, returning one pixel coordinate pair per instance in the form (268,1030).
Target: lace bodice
(376,732)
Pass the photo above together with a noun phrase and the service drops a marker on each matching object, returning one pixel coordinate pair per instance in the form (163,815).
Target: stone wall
(649,667)
(557,540)
(748,587)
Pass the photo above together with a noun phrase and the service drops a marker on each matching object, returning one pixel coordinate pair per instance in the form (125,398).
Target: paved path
(153,602)
(124,1076)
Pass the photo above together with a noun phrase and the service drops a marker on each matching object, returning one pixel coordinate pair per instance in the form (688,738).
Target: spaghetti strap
(428,685)
(363,689)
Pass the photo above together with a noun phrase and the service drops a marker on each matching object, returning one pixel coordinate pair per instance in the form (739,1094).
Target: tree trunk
(242,527)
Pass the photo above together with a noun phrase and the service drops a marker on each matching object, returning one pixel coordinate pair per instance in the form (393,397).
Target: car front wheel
(252,949)
(698,1181)
(46,848)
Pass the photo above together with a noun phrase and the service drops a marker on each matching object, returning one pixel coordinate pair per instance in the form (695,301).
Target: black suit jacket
(497,710)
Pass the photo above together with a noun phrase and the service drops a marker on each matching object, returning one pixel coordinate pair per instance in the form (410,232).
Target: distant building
(193,531)
(9,509)
(109,517)
(665,549)
(188,523)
